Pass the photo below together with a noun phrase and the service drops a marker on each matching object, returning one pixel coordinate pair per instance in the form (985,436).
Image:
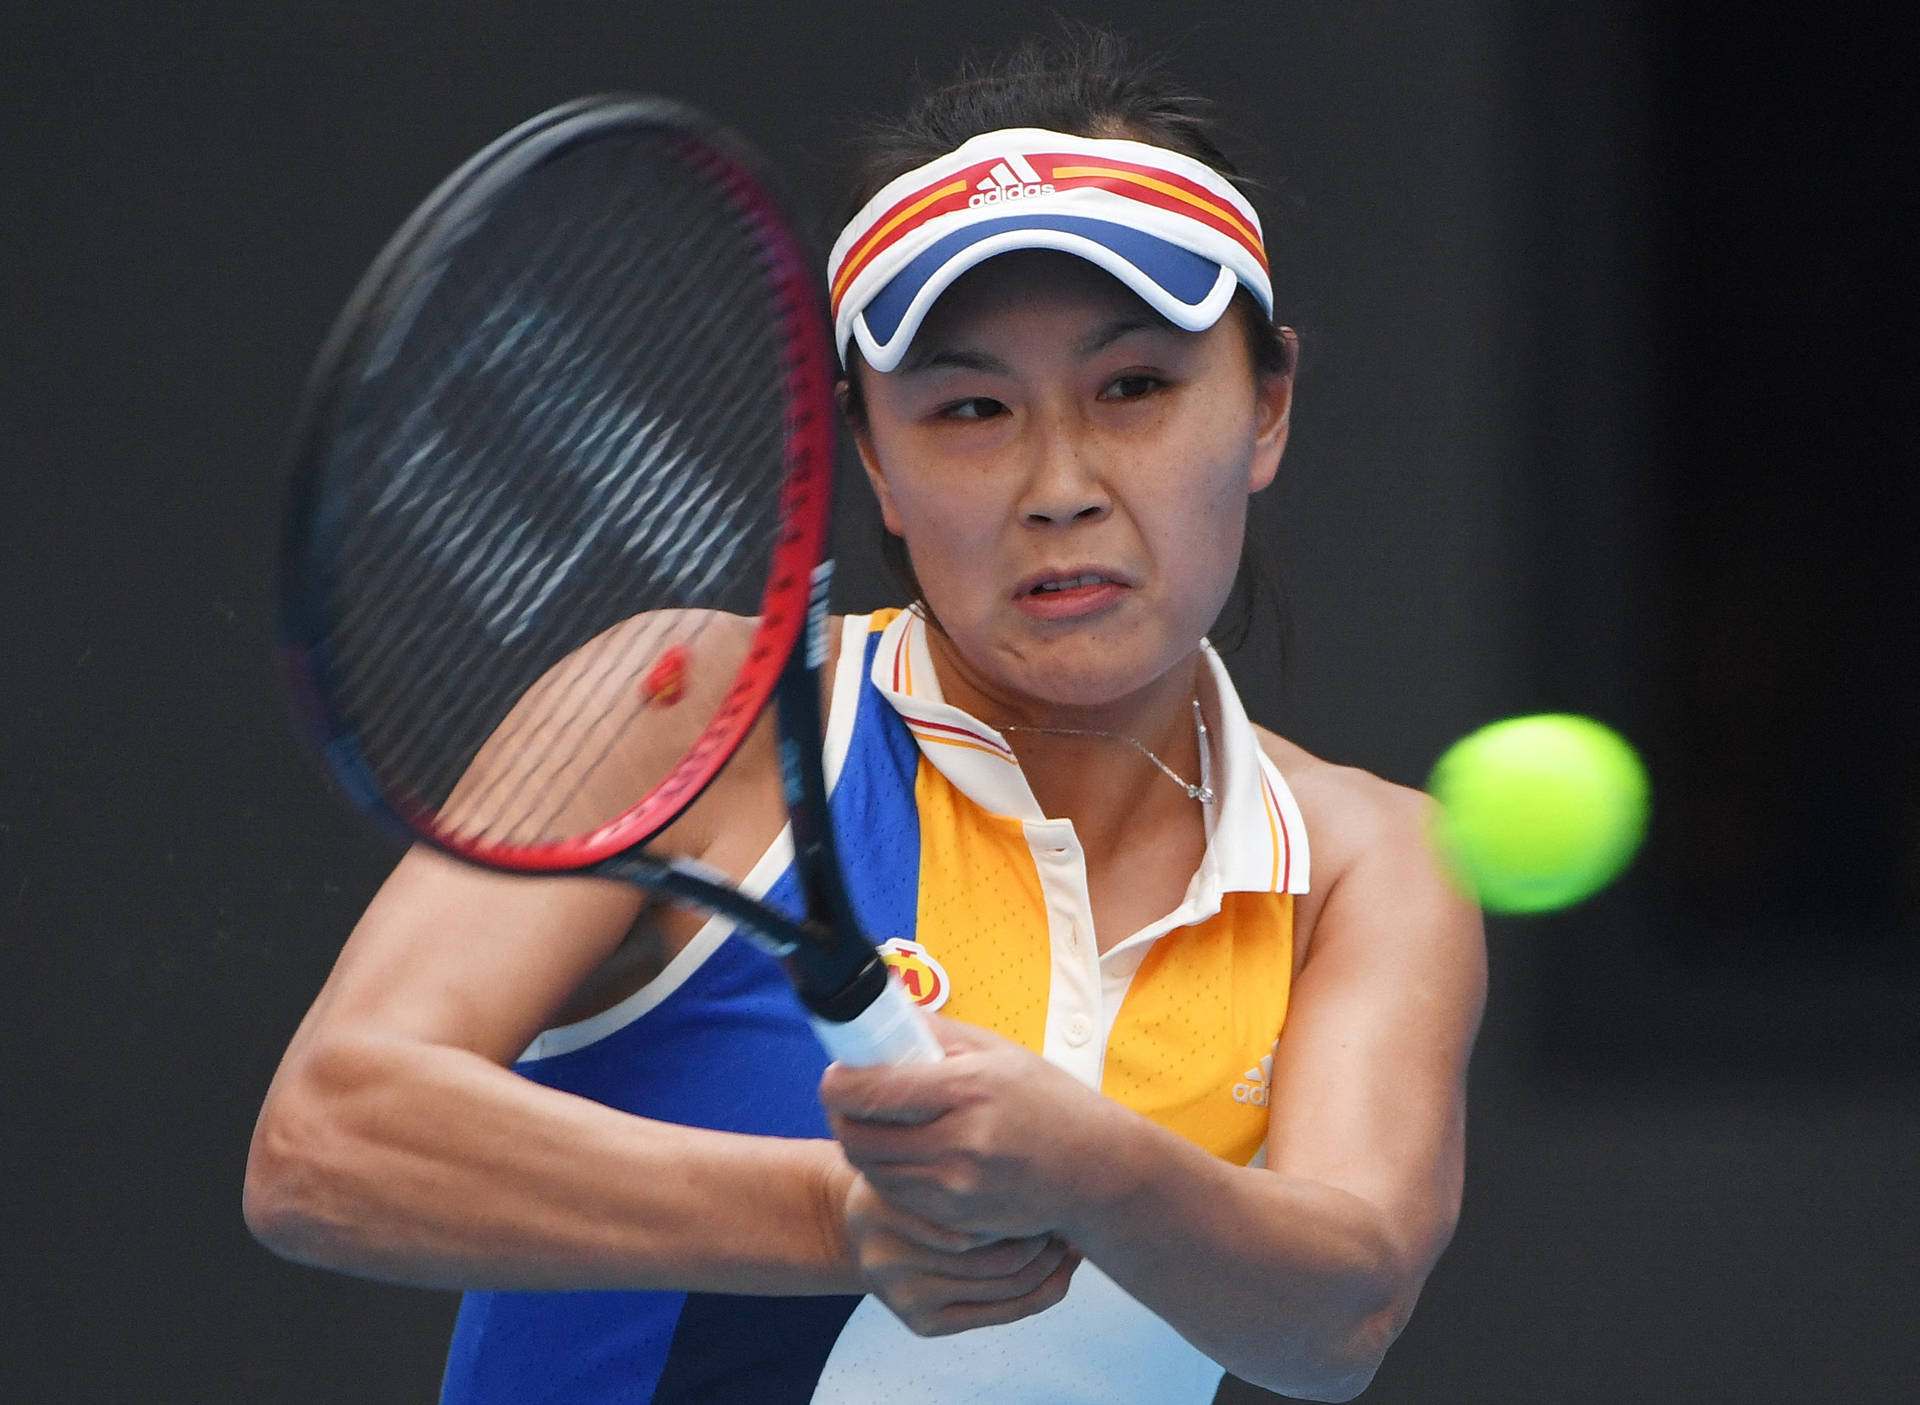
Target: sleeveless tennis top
(981,904)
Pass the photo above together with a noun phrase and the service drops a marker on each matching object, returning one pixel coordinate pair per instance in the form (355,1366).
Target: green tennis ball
(1538,812)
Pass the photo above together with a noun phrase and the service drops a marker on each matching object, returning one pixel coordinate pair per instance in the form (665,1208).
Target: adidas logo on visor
(1012,179)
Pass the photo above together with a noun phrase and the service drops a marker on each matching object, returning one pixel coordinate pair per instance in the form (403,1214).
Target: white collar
(1256,838)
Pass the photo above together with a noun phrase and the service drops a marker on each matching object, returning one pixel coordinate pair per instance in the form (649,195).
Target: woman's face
(1070,473)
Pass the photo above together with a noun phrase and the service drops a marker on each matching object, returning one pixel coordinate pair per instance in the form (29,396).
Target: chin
(1086,672)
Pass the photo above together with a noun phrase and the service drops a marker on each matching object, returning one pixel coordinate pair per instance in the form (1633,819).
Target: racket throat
(835,981)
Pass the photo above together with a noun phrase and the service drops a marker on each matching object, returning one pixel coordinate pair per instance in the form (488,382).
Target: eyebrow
(1120,327)
(968,359)
(953,358)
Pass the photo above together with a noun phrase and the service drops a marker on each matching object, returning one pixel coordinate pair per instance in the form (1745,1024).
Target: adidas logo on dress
(1253,1085)
(1011,179)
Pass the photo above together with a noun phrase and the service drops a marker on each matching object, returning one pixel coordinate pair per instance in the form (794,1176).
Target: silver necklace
(1202,792)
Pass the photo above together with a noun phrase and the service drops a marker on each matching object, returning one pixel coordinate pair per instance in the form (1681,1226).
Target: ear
(1273,409)
(869,458)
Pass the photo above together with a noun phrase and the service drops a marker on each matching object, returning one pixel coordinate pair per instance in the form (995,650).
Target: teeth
(1074,584)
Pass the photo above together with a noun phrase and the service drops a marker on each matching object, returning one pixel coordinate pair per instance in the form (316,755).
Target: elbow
(1367,1306)
(280,1200)
(297,1198)
(1344,1369)
(1344,1359)
(1341,1361)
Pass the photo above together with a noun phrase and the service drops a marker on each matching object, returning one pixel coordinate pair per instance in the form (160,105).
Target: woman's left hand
(992,1141)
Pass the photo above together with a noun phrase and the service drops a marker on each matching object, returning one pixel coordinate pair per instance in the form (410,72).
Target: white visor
(1171,228)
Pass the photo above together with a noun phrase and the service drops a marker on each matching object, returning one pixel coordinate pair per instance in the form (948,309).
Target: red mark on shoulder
(666,681)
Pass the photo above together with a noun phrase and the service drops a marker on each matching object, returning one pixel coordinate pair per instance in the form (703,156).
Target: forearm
(1289,1283)
(429,1165)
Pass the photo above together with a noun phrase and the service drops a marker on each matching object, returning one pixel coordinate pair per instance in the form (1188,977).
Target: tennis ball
(1538,812)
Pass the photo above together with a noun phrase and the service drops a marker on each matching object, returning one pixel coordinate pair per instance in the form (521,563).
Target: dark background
(1605,407)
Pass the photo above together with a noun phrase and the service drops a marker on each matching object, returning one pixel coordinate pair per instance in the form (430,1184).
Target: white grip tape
(889,1031)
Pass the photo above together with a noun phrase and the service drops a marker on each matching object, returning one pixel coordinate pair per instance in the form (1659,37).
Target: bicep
(450,954)
(1369,1083)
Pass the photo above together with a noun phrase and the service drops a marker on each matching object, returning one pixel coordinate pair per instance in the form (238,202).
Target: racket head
(573,431)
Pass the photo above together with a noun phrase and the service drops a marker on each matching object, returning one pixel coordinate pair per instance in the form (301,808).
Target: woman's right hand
(939,1282)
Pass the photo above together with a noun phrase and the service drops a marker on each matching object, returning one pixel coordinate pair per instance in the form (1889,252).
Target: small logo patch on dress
(924,979)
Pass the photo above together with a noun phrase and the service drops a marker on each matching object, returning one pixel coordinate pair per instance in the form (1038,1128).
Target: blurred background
(1606,406)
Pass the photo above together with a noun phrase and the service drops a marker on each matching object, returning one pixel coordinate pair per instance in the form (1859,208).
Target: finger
(1037,1255)
(872,1214)
(885,1093)
(954,1197)
(928,1292)
(964,1316)
(885,1142)
(959,1037)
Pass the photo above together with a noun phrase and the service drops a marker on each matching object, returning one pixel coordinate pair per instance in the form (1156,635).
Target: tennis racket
(558,528)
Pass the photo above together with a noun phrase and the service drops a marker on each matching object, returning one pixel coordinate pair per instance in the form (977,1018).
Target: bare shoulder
(1349,812)
(741,812)
(1366,833)
(634,712)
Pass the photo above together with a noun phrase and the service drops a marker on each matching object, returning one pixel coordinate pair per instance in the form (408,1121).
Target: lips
(1070,594)
(1072,583)
(1074,578)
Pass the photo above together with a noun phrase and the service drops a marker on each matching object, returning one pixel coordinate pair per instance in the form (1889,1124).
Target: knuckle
(962,1177)
(930,1327)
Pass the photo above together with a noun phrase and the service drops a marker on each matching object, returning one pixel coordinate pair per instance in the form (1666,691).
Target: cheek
(950,520)
(941,514)
(1198,525)
(1203,498)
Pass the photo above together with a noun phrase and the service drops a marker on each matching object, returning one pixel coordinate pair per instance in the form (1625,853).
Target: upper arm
(1369,1079)
(450,954)
(446,957)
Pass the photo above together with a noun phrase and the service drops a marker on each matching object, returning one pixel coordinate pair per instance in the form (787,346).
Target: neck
(1085,767)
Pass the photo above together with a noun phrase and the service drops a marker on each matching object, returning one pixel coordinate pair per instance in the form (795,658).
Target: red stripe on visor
(1176,232)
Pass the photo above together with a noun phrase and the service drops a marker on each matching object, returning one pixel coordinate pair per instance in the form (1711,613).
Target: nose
(1064,484)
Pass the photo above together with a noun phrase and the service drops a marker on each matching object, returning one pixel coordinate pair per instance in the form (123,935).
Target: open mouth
(1063,595)
(1080,582)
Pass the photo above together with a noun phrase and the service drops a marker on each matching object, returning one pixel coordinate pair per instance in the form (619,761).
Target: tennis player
(1206,1001)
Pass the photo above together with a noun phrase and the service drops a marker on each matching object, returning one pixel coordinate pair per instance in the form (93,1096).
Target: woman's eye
(1131,387)
(977,407)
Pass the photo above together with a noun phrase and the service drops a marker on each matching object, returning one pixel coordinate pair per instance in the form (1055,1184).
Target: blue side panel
(731,1050)
(750,1351)
(874,818)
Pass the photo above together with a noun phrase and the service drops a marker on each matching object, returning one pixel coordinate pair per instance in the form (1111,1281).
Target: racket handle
(889,1031)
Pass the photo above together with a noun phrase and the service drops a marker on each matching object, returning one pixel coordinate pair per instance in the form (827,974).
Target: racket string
(457,561)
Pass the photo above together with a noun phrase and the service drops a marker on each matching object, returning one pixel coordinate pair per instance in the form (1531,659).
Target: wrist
(832,1181)
(1112,1174)
(1123,1189)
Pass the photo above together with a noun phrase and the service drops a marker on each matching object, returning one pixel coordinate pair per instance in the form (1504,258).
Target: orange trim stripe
(1282,841)
(1159,188)
(951,729)
(1136,168)
(934,740)
(859,258)
(1222,214)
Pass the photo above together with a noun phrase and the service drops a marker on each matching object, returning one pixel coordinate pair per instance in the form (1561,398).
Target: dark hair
(1085,81)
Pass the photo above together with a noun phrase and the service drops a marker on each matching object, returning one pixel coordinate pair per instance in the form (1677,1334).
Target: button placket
(1075,1002)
